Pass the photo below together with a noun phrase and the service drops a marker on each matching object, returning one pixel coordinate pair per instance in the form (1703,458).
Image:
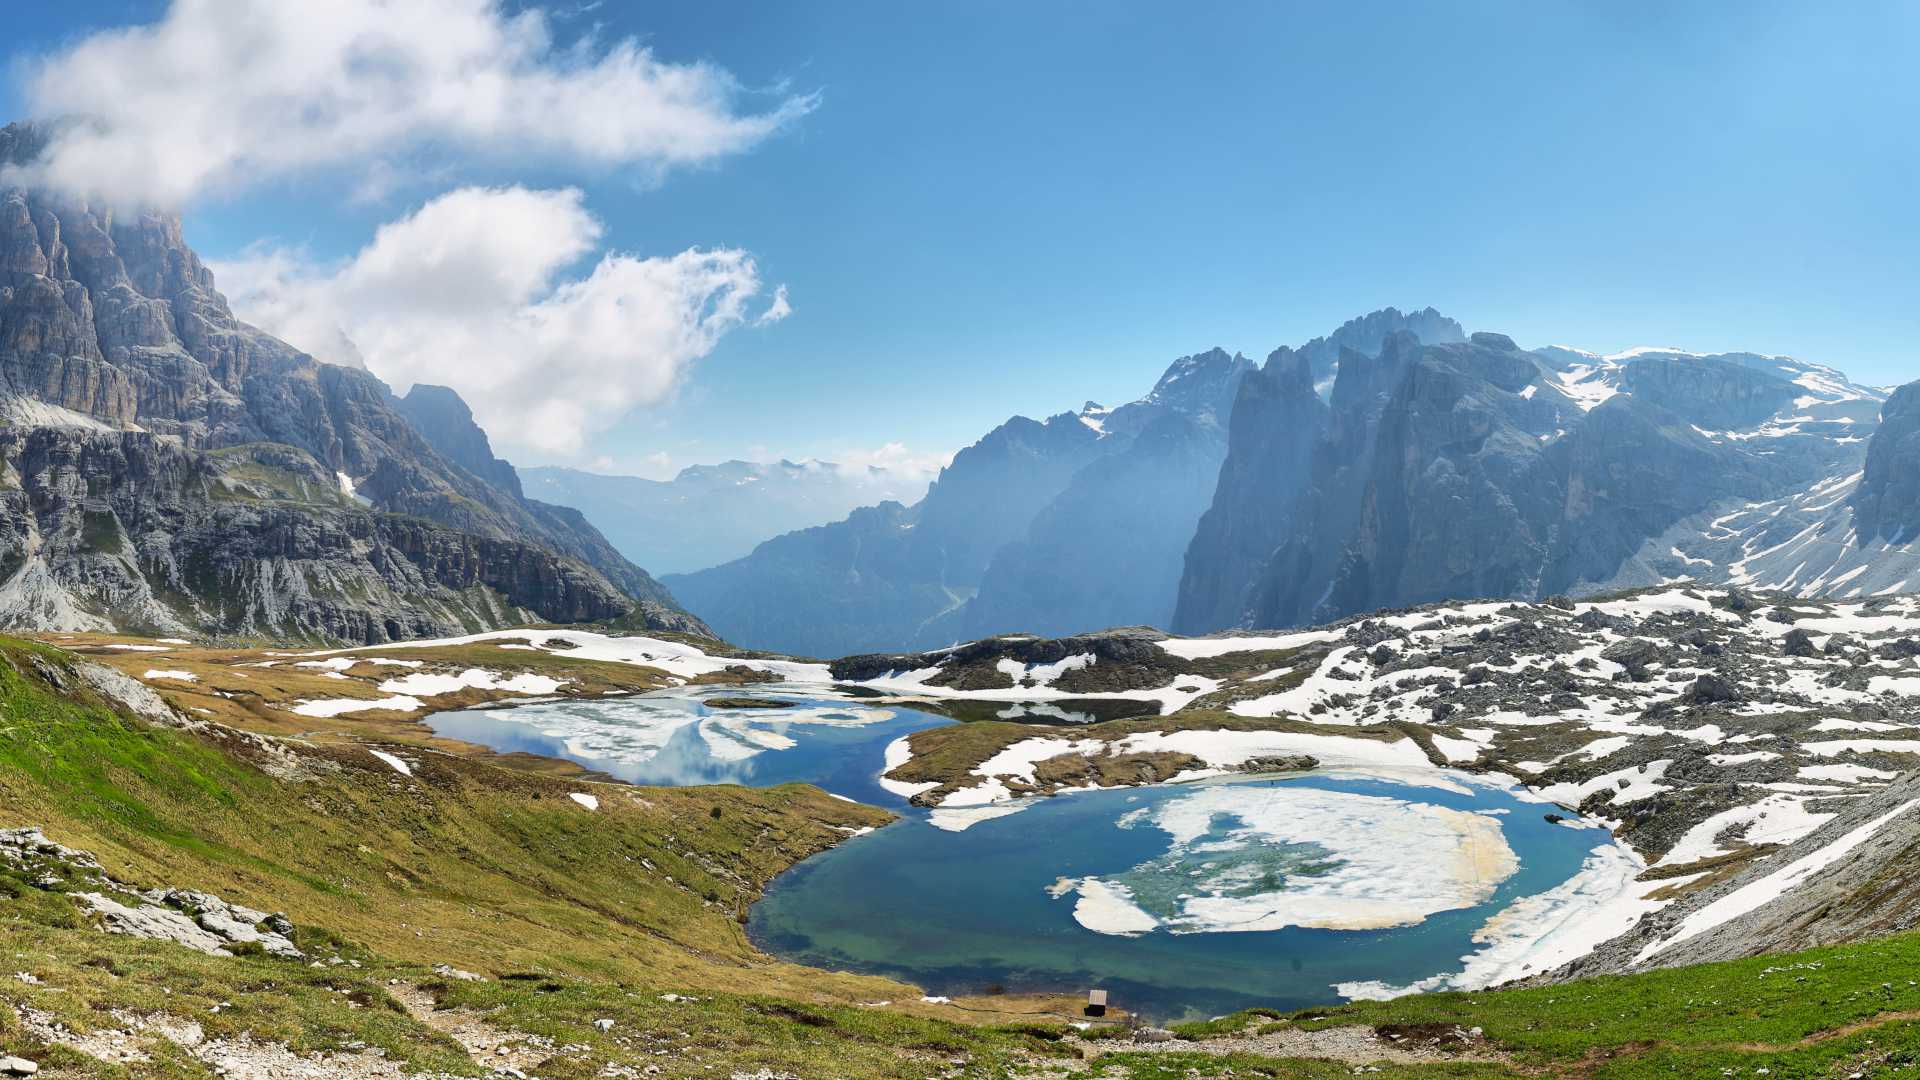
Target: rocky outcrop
(1119,654)
(110,323)
(444,420)
(200,921)
(1886,504)
(132,531)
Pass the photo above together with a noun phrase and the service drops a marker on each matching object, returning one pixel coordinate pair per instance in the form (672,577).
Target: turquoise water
(672,739)
(962,913)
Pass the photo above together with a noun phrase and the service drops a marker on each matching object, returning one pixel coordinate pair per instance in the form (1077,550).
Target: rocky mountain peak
(1289,371)
(1368,334)
(1886,503)
(443,417)
(110,323)
(1201,384)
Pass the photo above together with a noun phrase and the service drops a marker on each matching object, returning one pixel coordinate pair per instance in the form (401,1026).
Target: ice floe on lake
(1262,858)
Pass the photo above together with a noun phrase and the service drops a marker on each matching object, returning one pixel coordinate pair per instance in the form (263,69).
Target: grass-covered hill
(604,935)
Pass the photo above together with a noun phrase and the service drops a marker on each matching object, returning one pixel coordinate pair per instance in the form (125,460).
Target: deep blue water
(961,913)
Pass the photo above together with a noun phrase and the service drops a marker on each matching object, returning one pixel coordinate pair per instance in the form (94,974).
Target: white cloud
(469,291)
(777,310)
(909,469)
(222,94)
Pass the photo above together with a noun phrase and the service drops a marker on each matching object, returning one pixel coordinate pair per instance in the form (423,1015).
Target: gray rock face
(139,411)
(1367,334)
(1271,529)
(1886,504)
(1277,419)
(444,420)
(1477,469)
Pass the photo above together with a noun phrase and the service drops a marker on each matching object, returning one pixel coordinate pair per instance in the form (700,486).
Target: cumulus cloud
(222,94)
(471,291)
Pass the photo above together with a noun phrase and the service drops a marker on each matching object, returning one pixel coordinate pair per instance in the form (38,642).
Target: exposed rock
(1798,642)
(1476,469)
(1712,689)
(1281,763)
(1634,654)
(197,920)
(156,443)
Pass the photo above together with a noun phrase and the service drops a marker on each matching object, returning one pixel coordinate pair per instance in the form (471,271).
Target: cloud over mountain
(471,290)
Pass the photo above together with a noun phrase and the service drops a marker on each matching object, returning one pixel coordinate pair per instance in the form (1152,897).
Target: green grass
(1788,1014)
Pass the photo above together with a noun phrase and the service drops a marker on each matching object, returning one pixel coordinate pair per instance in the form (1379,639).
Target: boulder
(1798,642)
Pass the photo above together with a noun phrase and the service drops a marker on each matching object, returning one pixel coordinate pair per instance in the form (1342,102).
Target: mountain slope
(1844,535)
(893,576)
(880,576)
(121,365)
(1106,551)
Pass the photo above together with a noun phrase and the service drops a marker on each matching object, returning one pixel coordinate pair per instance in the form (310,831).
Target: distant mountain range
(1395,461)
(1077,522)
(711,514)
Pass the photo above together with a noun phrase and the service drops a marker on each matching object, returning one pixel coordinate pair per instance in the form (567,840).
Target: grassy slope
(1826,1012)
(496,871)
(468,864)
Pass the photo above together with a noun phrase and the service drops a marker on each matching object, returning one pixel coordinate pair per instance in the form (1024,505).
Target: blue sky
(1001,208)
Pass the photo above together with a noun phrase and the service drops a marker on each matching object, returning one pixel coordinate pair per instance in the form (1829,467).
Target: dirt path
(489,1046)
(1347,1045)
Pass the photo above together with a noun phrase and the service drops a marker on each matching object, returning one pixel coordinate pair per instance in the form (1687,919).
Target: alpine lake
(1181,900)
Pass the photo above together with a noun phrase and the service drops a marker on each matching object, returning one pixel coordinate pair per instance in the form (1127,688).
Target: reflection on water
(1004,903)
(673,738)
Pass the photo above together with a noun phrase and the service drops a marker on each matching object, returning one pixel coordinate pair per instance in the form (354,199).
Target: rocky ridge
(125,378)
(1477,468)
